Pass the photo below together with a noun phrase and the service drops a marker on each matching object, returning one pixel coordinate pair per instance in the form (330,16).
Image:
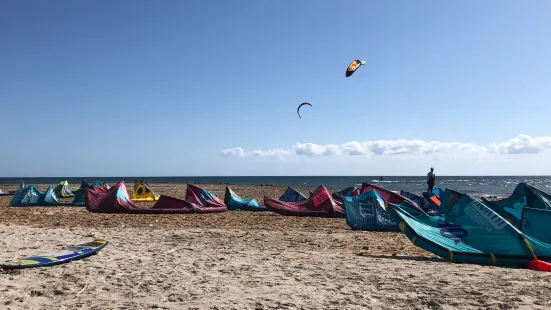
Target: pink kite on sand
(319,204)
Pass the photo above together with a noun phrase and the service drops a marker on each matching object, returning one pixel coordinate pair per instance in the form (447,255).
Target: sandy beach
(241,260)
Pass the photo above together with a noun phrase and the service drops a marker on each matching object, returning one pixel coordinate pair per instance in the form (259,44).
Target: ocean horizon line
(273,176)
(478,185)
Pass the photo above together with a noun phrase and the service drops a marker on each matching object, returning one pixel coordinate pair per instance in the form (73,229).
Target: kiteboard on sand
(65,255)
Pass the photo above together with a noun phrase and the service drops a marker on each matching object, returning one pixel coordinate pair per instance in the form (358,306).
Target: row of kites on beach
(513,231)
(352,67)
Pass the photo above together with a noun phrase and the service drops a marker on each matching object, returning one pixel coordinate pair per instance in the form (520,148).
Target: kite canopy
(369,211)
(523,196)
(321,204)
(142,192)
(234,202)
(349,191)
(80,194)
(116,200)
(298,109)
(418,199)
(32,197)
(64,190)
(472,232)
(353,67)
(388,196)
(292,195)
(204,199)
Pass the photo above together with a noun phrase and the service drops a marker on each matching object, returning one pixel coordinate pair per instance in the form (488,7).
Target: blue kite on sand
(470,231)
(292,195)
(234,202)
(368,211)
(32,197)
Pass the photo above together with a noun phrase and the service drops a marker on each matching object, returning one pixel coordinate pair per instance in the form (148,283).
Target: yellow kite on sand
(142,192)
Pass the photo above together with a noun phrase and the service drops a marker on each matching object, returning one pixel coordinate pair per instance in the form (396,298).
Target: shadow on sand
(413,258)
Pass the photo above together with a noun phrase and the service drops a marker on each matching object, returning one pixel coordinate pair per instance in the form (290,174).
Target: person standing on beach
(431,177)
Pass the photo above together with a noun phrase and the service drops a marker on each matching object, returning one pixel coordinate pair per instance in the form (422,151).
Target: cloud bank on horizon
(521,144)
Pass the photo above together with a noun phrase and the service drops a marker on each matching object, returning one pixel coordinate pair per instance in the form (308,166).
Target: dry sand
(241,260)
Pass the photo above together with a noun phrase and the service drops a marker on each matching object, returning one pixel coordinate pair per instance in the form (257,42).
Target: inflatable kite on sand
(320,204)
(116,200)
(234,202)
(292,195)
(142,192)
(349,191)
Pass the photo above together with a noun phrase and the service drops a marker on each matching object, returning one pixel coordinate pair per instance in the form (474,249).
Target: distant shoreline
(472,185)
(270,176)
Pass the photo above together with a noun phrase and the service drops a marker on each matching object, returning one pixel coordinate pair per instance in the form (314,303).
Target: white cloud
(521,144)
(240,152)
(316,150)
(236,151)
(385,147)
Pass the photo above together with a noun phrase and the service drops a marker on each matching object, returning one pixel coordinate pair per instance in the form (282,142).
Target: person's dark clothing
(431,178)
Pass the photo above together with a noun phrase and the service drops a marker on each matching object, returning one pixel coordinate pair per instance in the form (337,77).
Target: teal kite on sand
(32,197)
(472,232)
(524,195)
(80,194)
(234,202)
(368,211)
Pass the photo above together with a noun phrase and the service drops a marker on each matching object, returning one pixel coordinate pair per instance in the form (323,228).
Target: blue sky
(187,88)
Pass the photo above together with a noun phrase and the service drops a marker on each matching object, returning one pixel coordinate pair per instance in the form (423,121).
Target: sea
(472,185)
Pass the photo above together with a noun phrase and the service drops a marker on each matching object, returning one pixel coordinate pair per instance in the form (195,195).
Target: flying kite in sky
(354,66)
(298,109)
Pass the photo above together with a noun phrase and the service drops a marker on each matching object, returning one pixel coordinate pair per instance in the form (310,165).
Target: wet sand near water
(241,260)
